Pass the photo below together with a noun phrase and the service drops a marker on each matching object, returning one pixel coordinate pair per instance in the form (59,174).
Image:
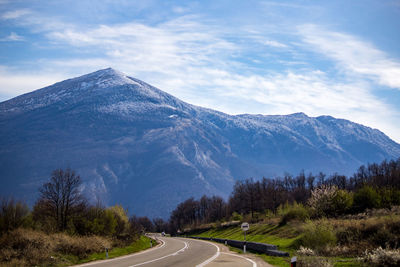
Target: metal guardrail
(267,249)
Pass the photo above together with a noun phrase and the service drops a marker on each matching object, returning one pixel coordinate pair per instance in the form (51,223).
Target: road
(182,252)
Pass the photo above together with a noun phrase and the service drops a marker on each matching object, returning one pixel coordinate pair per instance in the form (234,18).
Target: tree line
(372,186)
(62,207)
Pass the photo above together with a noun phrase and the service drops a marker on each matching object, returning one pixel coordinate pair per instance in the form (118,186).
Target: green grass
(284,237)
(141,244)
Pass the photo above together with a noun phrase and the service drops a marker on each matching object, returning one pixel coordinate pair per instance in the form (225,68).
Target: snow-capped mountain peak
(131,141)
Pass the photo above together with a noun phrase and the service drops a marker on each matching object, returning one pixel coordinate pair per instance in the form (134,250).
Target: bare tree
(61,196)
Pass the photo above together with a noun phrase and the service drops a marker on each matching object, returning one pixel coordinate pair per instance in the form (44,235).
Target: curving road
(182,252)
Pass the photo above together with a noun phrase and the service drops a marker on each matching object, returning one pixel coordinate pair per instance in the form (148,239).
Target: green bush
(318,235)
(236,217)
(382,237)
(341,202)
(295,212)
(366,198)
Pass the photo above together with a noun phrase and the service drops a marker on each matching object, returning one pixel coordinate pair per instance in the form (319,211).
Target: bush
(305,251)
(79,246)
(321,200)
(318,235)
(236,217)
(341,202)
(382,257)
(13,214)
(29,245)
(294,212)
(23,247)
(366,197)
(314,261)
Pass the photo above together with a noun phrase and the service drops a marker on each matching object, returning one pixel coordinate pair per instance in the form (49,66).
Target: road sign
(245,226)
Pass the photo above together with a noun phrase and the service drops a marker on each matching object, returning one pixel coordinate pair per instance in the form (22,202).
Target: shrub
(23,247)
(236,217)
(382,257)
(318,235)
(314,261)
(321,200)
(79,246)
(295,212)
(13,214)
(121,219)
(383,237)
(341,202)
(366,197)
(305,251)
(29,245)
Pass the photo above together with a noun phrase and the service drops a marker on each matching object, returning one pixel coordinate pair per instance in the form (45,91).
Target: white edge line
(210,259)
(250,260)
(122,257)
(172,254)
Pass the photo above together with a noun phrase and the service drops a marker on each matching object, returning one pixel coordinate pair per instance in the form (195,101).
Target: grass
(284,237)
(141,244)
(275,261)
(26,247)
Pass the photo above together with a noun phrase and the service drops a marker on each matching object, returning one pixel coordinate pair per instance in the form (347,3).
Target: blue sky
(338,58)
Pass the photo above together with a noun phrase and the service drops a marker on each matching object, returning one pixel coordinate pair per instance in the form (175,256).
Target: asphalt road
(182,252)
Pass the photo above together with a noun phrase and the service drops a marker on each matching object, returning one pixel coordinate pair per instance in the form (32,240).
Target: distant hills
(136,145)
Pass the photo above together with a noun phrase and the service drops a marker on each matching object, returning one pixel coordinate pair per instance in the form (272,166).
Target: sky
(338,58)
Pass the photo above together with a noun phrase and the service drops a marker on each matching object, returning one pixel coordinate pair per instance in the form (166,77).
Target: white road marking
(250,260)
(122,257)
(172,254)
(210,259)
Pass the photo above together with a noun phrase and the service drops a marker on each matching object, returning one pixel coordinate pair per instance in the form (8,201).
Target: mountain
(136,145)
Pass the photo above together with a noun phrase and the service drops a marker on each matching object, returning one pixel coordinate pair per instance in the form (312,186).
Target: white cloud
(274,43)
(12,37)
(13,83)
(353,54)
(15,14)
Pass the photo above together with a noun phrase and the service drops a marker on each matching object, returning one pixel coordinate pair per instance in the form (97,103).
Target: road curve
(178,252)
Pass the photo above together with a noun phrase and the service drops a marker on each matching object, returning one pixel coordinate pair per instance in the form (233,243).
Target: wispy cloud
(15,14)
(12,37)
(16,83)
(353,54)
(274,43)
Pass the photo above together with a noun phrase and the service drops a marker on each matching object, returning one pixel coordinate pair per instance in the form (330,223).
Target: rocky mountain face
(136,145)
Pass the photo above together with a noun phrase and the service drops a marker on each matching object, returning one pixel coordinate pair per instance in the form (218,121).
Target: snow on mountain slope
(139,146)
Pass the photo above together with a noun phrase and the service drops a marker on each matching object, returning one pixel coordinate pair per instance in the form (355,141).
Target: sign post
(245,226)
(293,262)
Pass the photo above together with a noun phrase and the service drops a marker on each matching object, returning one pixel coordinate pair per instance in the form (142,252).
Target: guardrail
(267,249)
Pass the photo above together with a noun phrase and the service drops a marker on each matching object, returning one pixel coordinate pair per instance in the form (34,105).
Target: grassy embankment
(141,244)
(23,247)
(327,242)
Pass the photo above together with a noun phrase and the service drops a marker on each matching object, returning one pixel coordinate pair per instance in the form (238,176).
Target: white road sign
(245,226)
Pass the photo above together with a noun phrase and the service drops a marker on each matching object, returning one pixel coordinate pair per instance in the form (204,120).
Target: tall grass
(24,247)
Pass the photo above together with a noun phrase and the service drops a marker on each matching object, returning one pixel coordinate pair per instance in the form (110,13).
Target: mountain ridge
(131,142)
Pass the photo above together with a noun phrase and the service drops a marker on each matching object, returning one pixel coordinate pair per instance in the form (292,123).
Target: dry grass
(23,247)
